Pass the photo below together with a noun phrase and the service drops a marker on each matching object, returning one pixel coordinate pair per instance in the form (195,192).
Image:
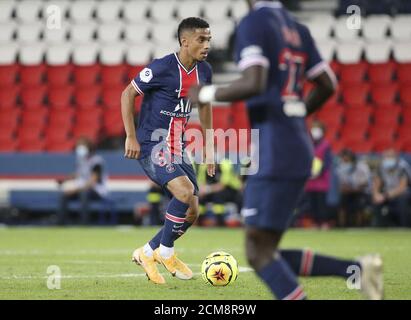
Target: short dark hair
(190,24)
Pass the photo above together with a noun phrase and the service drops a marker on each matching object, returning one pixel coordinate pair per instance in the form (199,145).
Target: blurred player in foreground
(276,54)
(164,83)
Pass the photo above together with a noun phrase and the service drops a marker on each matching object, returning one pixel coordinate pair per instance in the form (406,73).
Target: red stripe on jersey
(177,125)
(175,135)
(188,79)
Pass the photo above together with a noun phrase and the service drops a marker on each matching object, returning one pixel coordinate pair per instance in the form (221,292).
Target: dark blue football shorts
(163,172)
(270,203)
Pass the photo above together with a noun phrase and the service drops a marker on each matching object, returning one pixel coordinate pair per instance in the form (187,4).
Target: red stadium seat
(60,146)
(353,73)
(381,145)
(349,133)
(37,117)
(32,132)
(8,145)
(33,97)
(405,95)
(88,116)
(331,115)
(32,75)
(56,134)
(112,96)
(113,75)
(60,97)
(59,75)
(337,146)
(403,144)
(404,73)
(359,146)
(86,75)
(357,116)
(8,74)
(7,130)
(384,94)
(87,97)
(8,96)
(403,132)
(387,116)
(31,145)
(133,71)
(89,132)
(332,132)
(377,133)
(112,123)
(406,116)
(381,73)
(10,117)
(355,95)
(61,117)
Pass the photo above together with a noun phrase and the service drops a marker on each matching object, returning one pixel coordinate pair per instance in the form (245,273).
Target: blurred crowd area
(345,190)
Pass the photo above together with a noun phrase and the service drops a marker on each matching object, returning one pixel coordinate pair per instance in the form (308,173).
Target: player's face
(198,43)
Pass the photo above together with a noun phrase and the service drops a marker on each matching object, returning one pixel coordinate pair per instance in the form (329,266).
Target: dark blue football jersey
(164,84)
(269,36)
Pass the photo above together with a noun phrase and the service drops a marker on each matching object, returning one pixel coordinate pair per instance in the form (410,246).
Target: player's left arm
(252,82)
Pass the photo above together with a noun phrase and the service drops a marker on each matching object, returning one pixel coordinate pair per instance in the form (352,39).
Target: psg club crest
(170,168)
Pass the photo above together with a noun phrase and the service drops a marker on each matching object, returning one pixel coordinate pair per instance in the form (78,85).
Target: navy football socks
(155,242)
(281,280)
(174,221)
(306,263)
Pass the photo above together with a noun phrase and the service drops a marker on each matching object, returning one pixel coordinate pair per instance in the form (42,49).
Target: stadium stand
(98,47)
(59,84)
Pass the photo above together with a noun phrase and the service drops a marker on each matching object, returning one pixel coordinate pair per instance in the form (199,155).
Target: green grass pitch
(95,263)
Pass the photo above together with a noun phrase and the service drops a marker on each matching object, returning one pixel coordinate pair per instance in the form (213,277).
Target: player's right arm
(324,88)
(319,73)
(131,147)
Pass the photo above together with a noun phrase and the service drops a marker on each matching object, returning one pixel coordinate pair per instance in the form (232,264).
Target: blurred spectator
(317,187)
(390,192)
(222,192)
(88,183)
(353,180)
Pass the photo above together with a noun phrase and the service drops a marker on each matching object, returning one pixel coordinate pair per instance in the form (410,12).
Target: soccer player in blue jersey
(164,84)
(276,54)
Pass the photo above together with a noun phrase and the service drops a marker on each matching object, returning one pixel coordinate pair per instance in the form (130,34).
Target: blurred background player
(154,198)
(353,184)
(275,54)
(164,83)
(390,191)
(222,192)
(88,183)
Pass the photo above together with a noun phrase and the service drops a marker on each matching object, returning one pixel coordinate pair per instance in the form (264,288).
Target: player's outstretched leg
(174,220)
(183,192)
(307,263)
(275,272)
